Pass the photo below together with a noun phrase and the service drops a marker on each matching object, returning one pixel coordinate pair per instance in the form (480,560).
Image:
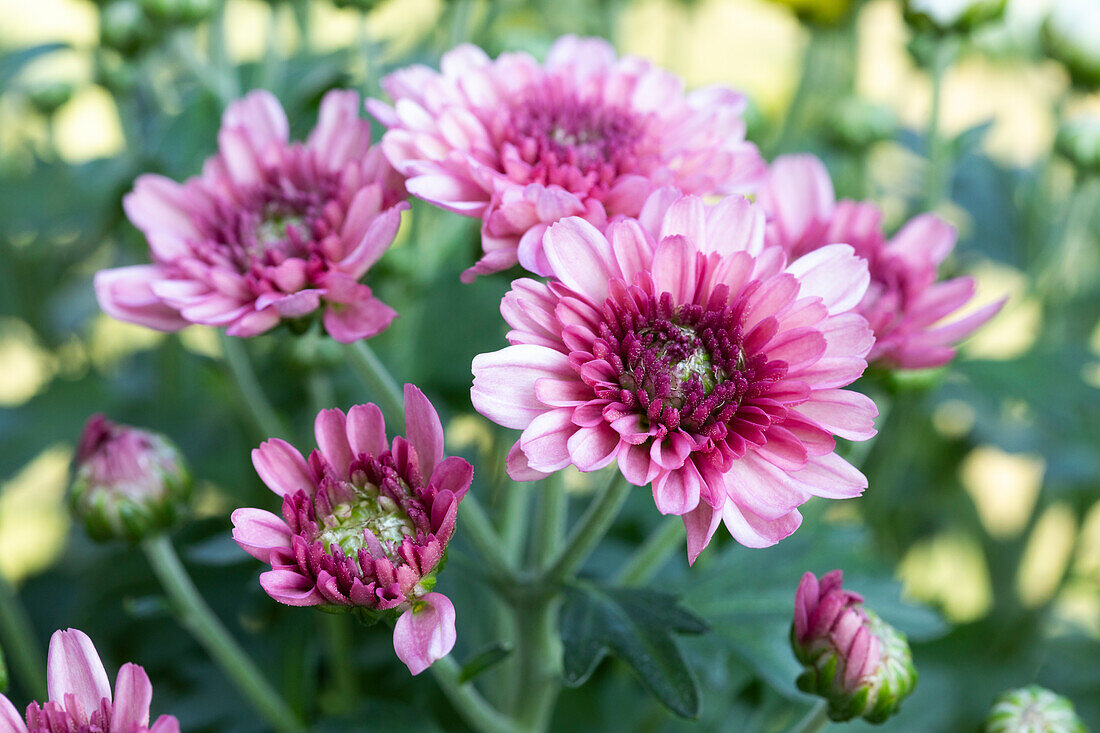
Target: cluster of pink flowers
(703,344)
(80,695)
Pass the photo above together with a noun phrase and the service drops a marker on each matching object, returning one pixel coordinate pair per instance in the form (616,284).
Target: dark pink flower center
(358,530)
(683,366)
(580,144)
(52,717)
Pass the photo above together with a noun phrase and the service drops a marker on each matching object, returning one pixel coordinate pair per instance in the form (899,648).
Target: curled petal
(425,632)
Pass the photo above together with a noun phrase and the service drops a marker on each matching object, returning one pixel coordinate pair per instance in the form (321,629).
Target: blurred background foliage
(984,504)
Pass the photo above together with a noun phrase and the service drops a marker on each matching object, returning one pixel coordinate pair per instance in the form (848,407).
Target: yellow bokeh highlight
(202,340)
(1003,486)
(111,341)
(88,126)
(953,418)
(33,519)
(1047,554)
(25,23)
(1012,332)
(26,366)
(949,570)
(751,45)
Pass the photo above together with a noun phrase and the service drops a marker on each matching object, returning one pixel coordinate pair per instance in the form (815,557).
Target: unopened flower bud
(860,664)
(124,26)
(128,482)
(1032,709)
(48,97)
(1071,34)
(1079,141)
(945,16)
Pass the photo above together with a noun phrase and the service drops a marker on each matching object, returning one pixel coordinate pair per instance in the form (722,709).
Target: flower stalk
(18,637)
(379,383)
(589,530)
(194,615)
(263,414)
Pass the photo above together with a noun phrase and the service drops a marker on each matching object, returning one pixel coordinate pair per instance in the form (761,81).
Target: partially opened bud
(860,664)
(1033,709)
(128,482)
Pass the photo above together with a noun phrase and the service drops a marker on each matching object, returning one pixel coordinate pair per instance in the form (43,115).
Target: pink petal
(290,588)
(330,430)
(753,531)
(687,218)
(677,492)
(258,532)
(282,467)
(834,274)
(674,269)
(366,430)
(364,318)
(580,256)
(425,632)
(700,523)
(161,205)
(846,413)
(133,695)
(73,668)
(832,477)
(453,474)
(518,468)
(423,429)
(734,225)
(504,382)
(799,194)
(10,720)
(593,448)
(260,115)
(125,293)
(545,440)
(166,724)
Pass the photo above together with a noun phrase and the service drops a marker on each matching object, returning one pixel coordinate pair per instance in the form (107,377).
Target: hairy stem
(815,719)
(195,616)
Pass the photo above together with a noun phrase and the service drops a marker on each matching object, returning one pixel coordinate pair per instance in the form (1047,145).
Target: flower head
(270,231)
(1033,709)
(80,695)
(128,482)
(859,663)
(701,361)
(521,145)
(365,522)
(904,304)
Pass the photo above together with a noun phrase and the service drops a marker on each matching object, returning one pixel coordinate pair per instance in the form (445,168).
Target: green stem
(815,719)
(195,616)
(537,661)
(937,162)
(551,514)
(590,529)
(267,420)
(468,701)
(379,383)
(653,554)
(479,530)
(19,641)
(338,646)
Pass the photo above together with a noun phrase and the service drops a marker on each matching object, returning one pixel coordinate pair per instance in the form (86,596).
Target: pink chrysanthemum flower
(364,523)
(904,304)
(521,144)
(80,695)
(701,361)
(271,230)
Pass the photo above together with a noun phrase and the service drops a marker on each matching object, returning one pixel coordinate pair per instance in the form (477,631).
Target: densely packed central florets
(682,365)
(578,144)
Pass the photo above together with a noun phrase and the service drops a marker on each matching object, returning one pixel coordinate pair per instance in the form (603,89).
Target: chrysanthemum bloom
(127,482)
(702,362)
(521,145)
(1033,709)
(80,695)
(270,231)
(364,523)
(859,663)
(904,304)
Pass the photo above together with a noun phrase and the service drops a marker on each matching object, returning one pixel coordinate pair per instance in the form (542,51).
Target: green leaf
(636,626)
(483,660)
(12,62)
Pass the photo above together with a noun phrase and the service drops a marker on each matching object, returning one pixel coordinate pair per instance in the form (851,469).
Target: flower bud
(1032,709)
(128,482)
(1071,34)
(860,664)
(48,97)
(1079,141)
(125,27)
(945,16)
